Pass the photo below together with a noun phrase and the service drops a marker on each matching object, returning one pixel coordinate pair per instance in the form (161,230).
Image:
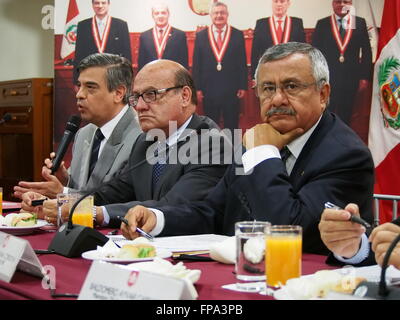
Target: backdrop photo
(130,28)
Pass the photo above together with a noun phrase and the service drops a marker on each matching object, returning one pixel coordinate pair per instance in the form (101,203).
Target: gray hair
(160,4)
(183,78)
(217,4)
(319,66)
(119,70)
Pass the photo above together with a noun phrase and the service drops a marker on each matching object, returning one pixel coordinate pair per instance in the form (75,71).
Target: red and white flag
(71,25)
(384,127)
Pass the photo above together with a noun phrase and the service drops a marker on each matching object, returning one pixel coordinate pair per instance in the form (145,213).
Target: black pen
(143,233)
(353,218)
(38,202)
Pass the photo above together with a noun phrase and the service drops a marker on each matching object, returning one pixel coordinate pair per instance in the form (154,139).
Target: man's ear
(324,94)
(119,94)
(186,95)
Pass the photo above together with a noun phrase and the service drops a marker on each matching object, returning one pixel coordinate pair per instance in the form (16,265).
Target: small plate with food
(131,252)
(20,223)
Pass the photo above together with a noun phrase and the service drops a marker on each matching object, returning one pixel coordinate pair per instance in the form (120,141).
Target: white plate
(17,231)
(95,255)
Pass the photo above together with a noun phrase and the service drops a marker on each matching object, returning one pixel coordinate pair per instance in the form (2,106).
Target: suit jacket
(262,39)
(118,41)
(370,260)
(175,49)
(112,159)
(334,165)
(179,183)
(232,77)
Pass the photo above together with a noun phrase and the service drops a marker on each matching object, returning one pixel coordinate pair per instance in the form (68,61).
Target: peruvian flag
(384,130)
(71,25)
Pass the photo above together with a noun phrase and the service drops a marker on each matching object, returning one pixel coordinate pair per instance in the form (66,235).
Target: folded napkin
(224,251)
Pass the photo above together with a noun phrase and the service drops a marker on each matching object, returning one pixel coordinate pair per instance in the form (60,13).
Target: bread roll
(134,251)
(24,219)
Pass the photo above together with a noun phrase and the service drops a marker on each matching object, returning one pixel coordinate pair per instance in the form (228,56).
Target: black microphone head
(7,117)
(73,123)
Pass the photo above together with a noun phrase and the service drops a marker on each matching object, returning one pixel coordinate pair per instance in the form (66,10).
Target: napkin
(109,250)
(224,251)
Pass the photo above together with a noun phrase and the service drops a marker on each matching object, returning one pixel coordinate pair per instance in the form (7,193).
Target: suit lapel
(86,151)
(324,126)
(172,168)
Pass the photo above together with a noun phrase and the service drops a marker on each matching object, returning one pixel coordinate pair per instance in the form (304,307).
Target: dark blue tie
(285,153)
(158,170)
(98,136)
(341,29)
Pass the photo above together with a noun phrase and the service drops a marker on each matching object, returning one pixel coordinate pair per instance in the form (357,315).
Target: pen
(38,202)
(145,234)
(353,218)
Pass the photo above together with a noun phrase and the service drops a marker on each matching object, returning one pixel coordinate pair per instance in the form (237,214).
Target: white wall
(243,13)
(27,51)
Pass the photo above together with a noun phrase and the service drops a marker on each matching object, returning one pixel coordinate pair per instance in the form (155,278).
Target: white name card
(17,253)
(107,281)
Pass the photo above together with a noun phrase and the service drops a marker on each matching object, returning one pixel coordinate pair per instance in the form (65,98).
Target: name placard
(107,281)
(17,253)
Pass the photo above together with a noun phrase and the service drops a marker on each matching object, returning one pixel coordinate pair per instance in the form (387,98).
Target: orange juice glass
(283,248)
(83,214)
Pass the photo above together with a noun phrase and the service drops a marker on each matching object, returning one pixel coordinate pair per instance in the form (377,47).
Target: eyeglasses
(290,89)
(148,96)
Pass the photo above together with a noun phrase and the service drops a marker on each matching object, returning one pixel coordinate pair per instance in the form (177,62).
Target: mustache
(280,110)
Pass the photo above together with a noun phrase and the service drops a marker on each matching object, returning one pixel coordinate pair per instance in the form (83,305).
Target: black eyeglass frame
(149,96)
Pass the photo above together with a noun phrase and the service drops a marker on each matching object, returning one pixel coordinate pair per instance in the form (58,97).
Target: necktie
(279,31)
(98,136)
(342,31)
(219,38)
(158,170)
(285,153)
(160,35)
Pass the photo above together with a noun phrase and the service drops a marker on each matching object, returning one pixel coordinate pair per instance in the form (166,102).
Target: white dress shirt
(250,159)
(171,140)
(101,25)
(107,131)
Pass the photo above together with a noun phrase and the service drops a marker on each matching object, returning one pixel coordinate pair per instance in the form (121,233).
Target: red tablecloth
(71,273)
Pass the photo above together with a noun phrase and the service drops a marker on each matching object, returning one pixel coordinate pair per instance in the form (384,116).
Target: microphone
(71,240)
(7,117)
(381,291)
(69,133)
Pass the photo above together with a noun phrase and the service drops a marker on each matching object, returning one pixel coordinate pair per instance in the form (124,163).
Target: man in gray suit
(104,84)
(164,97)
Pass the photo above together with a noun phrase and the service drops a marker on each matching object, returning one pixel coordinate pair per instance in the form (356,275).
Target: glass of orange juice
(83,214)
(1,201)
(283,247)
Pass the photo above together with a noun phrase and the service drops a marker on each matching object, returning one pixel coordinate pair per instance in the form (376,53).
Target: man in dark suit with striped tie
(170,162)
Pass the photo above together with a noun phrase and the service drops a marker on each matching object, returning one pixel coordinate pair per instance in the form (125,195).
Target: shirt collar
(298,144)
(283,19)
(173,138)
(215,28)
(345,18)
(98,20)
(109,127)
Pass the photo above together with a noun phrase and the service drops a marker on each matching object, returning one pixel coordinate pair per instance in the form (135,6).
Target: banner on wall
(384,131)
(69,36)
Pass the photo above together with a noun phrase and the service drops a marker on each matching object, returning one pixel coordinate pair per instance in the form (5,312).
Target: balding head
(177,103)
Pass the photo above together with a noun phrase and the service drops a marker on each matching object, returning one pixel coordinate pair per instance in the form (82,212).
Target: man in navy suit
(219,68)
(343,39)
(101,33)
(279,28)
(348,241)
(163,41)
(321,159)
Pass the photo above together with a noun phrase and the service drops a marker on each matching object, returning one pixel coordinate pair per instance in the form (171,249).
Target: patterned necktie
(285,153)
(158,170)
(98,137)
(279,31)
(219,38)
